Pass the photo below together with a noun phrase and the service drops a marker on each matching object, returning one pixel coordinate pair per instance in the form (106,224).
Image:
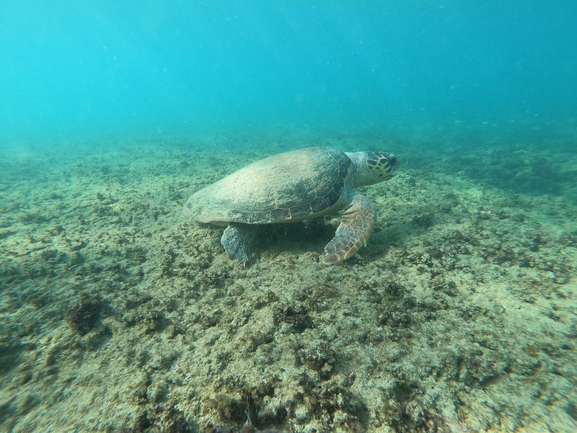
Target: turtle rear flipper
(237,240)
(353,231)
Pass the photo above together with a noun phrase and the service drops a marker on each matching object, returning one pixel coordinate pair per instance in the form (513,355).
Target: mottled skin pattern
(353,231)
(291,187)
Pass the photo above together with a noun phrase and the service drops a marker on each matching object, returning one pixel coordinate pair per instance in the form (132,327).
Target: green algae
(459,313)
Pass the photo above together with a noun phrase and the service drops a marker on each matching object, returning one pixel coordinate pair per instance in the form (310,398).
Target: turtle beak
(394,163)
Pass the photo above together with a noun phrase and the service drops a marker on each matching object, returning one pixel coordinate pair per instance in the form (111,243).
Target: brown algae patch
(119,315)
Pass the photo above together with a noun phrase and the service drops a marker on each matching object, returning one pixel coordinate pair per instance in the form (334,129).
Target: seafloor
(460,315)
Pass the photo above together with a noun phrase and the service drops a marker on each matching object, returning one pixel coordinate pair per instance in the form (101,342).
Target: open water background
(94,68)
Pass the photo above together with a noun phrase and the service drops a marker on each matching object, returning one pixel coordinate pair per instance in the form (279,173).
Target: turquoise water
(96,67)
(119,314)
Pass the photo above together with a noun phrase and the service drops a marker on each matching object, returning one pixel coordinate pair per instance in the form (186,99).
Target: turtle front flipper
(237,240)
(353,231)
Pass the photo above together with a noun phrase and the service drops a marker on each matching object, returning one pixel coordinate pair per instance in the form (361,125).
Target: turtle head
(373,167)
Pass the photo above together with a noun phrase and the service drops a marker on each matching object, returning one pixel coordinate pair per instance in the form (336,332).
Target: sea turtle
(290,187)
